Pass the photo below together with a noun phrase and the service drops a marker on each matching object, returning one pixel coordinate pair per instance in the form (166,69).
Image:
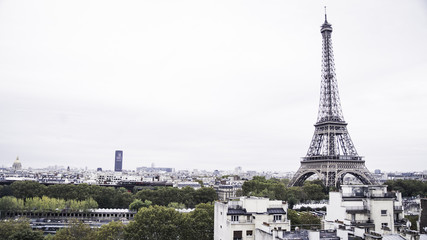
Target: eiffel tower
(331,154)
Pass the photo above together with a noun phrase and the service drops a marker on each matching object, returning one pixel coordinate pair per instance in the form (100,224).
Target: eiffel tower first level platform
(332,171)
(331,154)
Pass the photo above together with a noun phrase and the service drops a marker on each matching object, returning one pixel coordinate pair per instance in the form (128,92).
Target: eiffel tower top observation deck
(331,154)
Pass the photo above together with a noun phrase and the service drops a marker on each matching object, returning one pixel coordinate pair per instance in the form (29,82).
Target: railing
(356,208)
(383,195)
(400,222)
(338,157)
(361,221)
(368,194)
(398,208)
(240,221)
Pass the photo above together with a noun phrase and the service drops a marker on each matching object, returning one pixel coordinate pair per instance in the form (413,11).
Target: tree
(122,198)
(89,204)
(17,230)
(111,231)
(104,196)
(156,223)
(313,191)
(64,191)
(202,222)
(44,204)
(9,203)
(76,231)
(413,220)
(304,220)
(188,196)
(137,204)
(5,190)
(86,205)
(27,189)
(205,195)
(408,188)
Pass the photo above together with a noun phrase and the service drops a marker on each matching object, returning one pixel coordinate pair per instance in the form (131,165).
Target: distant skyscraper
(118,161)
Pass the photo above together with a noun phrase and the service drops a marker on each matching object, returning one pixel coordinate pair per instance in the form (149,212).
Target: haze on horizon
(207,84)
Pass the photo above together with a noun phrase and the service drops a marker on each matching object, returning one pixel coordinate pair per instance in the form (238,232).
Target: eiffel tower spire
(331,153)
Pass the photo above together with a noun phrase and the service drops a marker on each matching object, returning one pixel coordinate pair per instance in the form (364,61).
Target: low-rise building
(245,218)
(194,185)
(361,210)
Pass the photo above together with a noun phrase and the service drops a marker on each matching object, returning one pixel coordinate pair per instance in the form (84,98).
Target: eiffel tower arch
(331,154)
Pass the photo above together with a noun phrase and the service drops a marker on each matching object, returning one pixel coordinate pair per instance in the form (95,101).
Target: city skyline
(207,85)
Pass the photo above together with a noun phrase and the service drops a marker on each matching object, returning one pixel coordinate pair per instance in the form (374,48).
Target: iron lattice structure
(331,154)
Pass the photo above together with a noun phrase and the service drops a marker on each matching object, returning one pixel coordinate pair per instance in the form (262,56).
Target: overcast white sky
(207,84)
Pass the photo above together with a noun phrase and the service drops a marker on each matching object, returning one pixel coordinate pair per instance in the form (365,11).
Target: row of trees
(154,222)
(187,196)
(408,188)
(45,204)
(108,197)
(277,189)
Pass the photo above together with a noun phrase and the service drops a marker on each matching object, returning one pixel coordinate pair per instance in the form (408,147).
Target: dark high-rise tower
(331,154)
(118,162)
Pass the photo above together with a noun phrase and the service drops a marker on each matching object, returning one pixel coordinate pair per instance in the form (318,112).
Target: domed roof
(17,164)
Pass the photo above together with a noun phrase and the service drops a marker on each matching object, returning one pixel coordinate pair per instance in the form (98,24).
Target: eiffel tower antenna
(331,154)
(326,19)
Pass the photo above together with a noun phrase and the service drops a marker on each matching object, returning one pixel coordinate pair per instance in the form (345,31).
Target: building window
(277,218)
(383,212)
(237,235)
(249,233)
(384,225)
(234,218)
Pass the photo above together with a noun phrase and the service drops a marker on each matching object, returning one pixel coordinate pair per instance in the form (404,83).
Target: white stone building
(246,218)
(360,210)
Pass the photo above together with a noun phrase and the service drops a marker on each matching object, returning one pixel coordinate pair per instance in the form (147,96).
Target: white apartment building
(250,218)
(360,210)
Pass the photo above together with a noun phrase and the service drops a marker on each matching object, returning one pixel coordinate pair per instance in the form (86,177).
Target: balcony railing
(240,221)
(372,195)
(364,222)
(398,208)
(356,208)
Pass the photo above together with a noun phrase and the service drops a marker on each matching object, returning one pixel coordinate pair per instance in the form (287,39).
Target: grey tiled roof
(276,211)
(236,211)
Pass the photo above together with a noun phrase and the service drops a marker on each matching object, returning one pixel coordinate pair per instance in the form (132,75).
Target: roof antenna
(326,20)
